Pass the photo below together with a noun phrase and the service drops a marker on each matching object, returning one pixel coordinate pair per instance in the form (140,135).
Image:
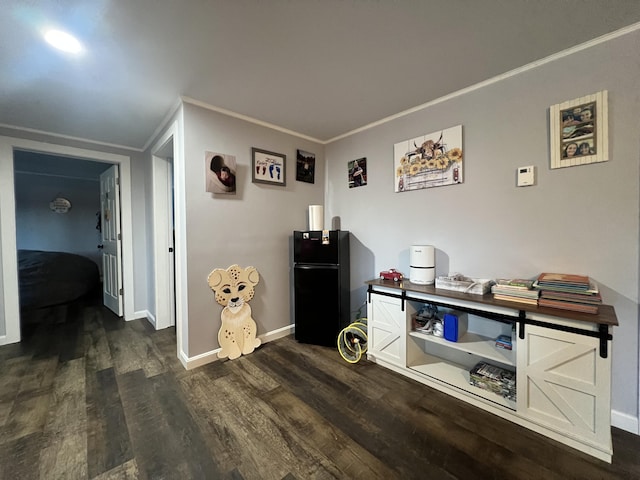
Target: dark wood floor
(87,395)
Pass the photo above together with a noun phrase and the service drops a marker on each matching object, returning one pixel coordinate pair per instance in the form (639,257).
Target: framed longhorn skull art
(430,160)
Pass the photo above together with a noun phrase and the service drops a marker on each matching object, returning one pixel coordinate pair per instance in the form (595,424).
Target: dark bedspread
(52,278)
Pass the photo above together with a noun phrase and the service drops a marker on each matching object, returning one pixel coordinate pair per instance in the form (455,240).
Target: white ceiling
(321,68)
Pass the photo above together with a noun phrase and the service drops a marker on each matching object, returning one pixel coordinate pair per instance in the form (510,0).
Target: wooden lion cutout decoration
(233,288)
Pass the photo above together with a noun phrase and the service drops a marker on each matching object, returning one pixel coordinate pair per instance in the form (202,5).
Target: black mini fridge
(321,285)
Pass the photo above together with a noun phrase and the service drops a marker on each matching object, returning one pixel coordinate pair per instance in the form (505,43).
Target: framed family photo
(579,131)
(268,167)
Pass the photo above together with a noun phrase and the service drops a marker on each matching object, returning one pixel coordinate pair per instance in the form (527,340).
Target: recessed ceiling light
(63,41)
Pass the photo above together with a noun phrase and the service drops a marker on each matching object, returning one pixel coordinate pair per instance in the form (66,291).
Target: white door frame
(160,226)
(10,304)
(161,167)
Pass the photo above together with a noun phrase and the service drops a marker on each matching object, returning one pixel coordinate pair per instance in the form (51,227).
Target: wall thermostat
(526,176)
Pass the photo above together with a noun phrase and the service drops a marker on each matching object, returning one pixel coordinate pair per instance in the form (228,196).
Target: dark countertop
(606,314)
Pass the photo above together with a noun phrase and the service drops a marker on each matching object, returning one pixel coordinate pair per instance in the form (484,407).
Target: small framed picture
(268,167)
(579,131)
(220,173)
(305,166)
(357,171)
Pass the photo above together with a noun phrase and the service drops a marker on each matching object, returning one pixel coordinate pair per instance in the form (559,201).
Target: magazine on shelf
(594,298)
(562,287)
(497,290)
(564,282)
(511,298)
(591,289)
(564,305)
(568,278)
(514,283)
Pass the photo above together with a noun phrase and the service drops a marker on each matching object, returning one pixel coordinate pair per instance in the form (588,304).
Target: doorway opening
(9,307)
(39,178)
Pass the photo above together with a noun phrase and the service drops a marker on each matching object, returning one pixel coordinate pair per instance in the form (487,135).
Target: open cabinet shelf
(457,376)
(475,344)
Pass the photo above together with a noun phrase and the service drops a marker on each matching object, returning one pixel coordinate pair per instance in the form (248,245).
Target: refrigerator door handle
(313,266)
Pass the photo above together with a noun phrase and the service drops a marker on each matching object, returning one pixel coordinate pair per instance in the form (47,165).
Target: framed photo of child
(220,173)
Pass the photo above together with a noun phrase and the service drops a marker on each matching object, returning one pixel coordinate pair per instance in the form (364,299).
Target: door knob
(100,247)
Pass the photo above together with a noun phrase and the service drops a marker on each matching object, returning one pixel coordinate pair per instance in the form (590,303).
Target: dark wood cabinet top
(606,314)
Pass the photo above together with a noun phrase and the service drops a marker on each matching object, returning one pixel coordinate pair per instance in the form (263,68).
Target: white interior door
(163,239)
(172,261)
(111,240)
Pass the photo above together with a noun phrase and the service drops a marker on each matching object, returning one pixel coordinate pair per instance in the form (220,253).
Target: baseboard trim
(276,334)
(140,314)
(151,318)
(624,421)
(190,363)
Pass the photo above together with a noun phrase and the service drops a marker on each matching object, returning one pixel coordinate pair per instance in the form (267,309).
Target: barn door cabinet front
(563,384)
(386,330)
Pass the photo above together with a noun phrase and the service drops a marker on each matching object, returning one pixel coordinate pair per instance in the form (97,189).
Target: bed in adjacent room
(54,278)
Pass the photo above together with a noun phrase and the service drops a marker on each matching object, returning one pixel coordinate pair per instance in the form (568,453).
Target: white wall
(578,220)
(140,235)
(253,227)
(38,228)
(3,326)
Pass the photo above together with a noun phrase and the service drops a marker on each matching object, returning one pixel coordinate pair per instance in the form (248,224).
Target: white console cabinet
(561,359)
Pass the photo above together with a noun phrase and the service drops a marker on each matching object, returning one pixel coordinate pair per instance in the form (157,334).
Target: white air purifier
(422,264)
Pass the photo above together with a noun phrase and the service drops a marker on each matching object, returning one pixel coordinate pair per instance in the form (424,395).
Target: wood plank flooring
(89,396)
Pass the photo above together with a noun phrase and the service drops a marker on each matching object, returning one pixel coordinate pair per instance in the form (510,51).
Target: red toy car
(391,274)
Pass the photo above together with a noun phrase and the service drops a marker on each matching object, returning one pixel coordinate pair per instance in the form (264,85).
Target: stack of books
(578,293)
(504,342)
(515,290)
